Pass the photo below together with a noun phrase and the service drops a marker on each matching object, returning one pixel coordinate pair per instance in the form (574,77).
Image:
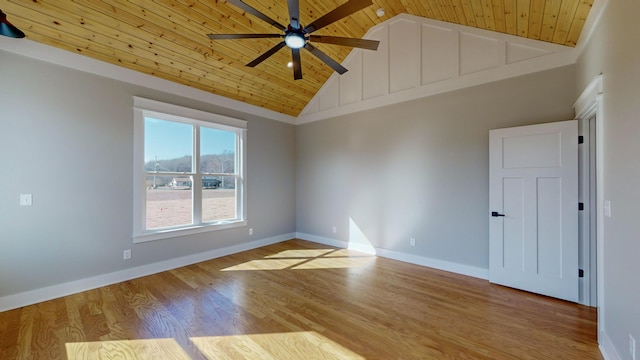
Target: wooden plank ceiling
(167,38)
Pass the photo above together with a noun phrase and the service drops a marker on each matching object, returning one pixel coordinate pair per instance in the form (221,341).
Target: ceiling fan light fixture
(294,40)
(7,29)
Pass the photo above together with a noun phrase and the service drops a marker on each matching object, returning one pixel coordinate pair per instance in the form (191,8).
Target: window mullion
(197,178)
(239,176)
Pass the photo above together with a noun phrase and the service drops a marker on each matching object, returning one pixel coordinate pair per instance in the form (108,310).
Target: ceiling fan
(297,37)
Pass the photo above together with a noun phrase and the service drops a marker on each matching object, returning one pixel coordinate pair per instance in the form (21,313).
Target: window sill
(196,229)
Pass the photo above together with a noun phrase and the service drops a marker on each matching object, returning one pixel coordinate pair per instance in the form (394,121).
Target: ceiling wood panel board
(435,10)
(478,13)
(567,11)
(470,15)
(499,15)
(413,7)
(511,17)
(550,19)
(219,20)
(447,11)
(535,18)
(427,11)
(460,14)
(578,22)
(489,19)
(523,8)
(168,39)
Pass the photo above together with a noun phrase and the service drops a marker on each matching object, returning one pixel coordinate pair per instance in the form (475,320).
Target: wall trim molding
(607,349)
(461,269)
(55,291)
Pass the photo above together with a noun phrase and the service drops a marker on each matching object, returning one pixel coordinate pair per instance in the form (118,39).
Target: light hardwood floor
(301,300)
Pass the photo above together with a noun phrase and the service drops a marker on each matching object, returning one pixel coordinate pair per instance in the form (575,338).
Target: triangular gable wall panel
(419,57)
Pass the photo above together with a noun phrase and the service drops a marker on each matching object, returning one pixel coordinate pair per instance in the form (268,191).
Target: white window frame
(150,108)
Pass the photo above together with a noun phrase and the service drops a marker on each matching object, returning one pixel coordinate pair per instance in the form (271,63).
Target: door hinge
(580,139)
(580,206)
(580,273)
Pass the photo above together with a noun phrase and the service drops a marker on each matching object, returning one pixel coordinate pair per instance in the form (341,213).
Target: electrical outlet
(126,255)
(26,200)
(251,231)
(632,347)
(412,241)
(334,229)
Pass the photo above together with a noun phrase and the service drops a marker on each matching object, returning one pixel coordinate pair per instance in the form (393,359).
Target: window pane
(219,203)
(217,151)
(169,204)
(168,146)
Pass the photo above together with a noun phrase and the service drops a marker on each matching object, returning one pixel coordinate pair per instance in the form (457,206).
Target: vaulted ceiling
(167,38)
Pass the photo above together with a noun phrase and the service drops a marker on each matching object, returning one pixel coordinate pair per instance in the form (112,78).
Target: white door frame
(589,104)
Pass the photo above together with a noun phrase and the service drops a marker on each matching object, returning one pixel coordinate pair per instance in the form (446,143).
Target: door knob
(495,214)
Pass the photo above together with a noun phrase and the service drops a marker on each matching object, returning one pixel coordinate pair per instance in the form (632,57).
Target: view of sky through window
(166,140)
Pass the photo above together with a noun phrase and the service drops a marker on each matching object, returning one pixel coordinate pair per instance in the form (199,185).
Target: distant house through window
(189,171)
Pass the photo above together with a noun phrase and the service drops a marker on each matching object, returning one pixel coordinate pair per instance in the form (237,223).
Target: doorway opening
(588,108)
(587,219)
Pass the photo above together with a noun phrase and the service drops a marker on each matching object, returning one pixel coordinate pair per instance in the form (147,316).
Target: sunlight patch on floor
(161,349)
(308,345)
(347,253)
(300,253)
(270,264)
(335,263)
(306,259)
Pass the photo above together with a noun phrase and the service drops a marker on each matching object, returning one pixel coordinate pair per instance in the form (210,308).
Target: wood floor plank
(301,300)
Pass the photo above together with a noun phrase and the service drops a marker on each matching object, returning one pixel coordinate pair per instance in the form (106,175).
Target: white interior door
(534,208)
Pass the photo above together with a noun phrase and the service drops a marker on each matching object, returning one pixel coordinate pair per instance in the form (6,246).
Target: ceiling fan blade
(326,59)
(264,56)
(257,14)
(336,14)
(294,13)
(297,66)
(359,43)
(242,36)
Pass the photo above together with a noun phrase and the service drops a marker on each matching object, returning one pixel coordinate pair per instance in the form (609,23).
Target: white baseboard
(408,258)
(51,292)
(607,349)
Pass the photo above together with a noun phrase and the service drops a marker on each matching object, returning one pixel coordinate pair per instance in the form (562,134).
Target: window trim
(150,108)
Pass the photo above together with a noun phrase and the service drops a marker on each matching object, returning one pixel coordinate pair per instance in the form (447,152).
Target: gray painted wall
(420,168)
(614,51)
(67,138)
